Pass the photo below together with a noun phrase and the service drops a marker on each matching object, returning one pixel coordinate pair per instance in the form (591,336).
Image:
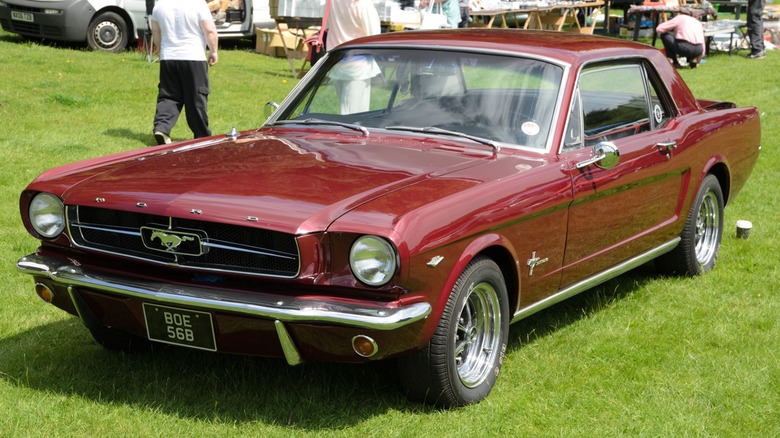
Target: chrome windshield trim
(595,280)
(275,307)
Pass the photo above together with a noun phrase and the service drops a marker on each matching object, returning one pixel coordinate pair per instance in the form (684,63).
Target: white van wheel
(107,32)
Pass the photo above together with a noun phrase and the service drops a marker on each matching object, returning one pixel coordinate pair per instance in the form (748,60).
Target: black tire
(115,340)
(108,32)
(700,239)
(461,363)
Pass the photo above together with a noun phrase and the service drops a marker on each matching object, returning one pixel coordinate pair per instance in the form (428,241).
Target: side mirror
(605,155)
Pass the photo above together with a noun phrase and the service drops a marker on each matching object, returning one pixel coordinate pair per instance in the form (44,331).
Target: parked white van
(111,25)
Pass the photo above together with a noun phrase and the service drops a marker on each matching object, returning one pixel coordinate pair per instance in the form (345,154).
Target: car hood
(296,181)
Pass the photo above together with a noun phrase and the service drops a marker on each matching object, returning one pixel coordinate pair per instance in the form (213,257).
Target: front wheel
(700,240)
(107,32)
(461,363)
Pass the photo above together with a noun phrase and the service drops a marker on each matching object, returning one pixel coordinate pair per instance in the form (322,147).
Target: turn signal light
(44,292)
(364,346)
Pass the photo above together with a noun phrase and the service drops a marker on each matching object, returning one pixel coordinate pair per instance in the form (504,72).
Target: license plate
(22,16)
(187,328)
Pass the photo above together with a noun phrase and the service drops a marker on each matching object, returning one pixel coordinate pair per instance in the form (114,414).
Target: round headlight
(373,260)
(47,215)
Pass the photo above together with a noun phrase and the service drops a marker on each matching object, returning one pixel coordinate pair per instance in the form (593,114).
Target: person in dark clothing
(465,15)
(182,29)
(755,28)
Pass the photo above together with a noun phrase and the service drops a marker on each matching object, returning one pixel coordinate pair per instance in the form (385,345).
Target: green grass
(640,355)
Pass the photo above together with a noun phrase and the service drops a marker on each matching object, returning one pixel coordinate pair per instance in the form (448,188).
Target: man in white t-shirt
(350,19)
(182,29)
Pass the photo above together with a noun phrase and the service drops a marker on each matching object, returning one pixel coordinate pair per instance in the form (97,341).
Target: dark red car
(415,194)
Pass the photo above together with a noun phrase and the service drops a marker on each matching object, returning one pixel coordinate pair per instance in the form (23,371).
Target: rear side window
(612,102)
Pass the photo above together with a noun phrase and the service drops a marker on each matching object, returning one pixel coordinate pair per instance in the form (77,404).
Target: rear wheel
(462,361)
(107,32)
(700,240)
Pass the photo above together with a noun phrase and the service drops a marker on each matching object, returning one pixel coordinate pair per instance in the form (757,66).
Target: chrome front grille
(191,243)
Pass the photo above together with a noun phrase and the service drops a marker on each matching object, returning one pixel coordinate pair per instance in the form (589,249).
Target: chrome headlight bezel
(47,215)
(373,260)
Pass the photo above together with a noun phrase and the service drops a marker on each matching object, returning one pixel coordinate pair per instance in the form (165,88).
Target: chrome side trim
(595,280)
(275,307)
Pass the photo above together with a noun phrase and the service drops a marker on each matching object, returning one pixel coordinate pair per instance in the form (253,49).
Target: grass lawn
(639,355)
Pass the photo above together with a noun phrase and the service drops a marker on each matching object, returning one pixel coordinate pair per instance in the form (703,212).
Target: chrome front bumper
(278,308)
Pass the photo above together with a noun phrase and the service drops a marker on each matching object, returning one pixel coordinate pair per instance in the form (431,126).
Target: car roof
(566,47)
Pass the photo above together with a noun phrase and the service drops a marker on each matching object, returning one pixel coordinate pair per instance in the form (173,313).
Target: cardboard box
(269,41)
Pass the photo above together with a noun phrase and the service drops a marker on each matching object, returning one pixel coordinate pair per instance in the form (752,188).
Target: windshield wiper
(436,130)
(323,122)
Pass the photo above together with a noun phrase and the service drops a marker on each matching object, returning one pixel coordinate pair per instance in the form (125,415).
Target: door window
(612,102)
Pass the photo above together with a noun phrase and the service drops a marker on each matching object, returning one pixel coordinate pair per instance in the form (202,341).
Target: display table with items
(578,16)
(735,29)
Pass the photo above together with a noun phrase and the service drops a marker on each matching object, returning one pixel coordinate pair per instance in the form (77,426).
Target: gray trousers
(755,27)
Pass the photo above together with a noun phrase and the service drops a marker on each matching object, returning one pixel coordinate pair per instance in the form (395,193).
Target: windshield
(502,99)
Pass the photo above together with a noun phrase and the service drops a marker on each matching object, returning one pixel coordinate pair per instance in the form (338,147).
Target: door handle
(666,147)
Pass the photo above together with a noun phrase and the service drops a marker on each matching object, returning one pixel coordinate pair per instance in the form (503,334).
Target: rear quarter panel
(726,140)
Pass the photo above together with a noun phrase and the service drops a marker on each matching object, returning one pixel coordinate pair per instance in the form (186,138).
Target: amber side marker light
(44,292)
(364,346)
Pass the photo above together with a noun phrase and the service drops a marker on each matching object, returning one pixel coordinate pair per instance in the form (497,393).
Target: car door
(623,208)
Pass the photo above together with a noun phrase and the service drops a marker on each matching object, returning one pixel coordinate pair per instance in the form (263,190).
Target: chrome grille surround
(224,247)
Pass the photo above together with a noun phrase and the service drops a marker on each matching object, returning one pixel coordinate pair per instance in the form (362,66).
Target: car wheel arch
(721,172)
(499,250)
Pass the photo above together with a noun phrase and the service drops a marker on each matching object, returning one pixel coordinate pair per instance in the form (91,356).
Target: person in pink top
(683,36)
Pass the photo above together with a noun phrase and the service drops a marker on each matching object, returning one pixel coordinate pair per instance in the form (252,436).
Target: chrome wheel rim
(707,228)
(478,335)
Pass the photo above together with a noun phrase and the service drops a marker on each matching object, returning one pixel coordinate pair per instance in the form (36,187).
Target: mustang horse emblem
(170,241)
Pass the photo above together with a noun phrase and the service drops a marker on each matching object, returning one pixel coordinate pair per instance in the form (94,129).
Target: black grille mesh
(227,247)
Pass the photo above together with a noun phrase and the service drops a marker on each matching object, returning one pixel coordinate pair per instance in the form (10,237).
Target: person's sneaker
(758,55)
(161,137)
(220,18)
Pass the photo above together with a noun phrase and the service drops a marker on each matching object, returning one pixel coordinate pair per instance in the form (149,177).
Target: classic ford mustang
(415,194)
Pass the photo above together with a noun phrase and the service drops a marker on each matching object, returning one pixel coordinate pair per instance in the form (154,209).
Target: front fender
(493,244)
